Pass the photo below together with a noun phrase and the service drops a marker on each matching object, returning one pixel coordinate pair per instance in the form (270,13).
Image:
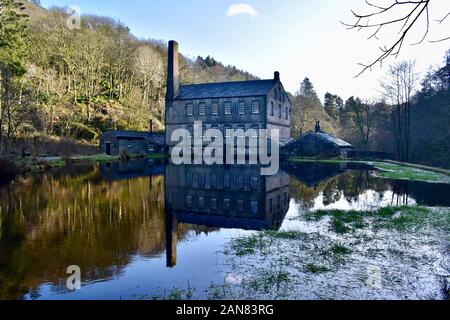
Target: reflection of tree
(304,195)
(52,221)
(331,193)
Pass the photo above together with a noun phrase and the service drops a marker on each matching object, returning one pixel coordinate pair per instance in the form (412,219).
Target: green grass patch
(340,249)
(245,246)
(314,268)
(398,218)
(285,235)
(399,172)
(387,170)
(30,165)
(309,160)
(342,221)
(157,156)
(99,158)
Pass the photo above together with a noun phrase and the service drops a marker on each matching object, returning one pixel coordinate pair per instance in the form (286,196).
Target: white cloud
(241,8)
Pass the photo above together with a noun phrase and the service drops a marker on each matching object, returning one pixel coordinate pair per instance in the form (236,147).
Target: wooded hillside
(59,83)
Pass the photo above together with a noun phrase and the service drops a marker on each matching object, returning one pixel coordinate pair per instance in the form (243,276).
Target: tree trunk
(1,111)
(8,110)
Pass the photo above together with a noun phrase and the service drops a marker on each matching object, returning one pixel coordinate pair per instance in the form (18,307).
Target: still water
(139,230)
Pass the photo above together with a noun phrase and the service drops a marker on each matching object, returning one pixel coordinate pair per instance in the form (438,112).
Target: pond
(151,230)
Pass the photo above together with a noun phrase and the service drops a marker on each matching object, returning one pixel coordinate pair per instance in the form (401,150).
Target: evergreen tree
(307,90)
(331,105)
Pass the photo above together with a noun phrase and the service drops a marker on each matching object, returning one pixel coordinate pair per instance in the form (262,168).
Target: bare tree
(401,14)
(399,87)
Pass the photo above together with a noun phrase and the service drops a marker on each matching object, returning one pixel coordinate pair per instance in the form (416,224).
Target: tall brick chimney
(173,82)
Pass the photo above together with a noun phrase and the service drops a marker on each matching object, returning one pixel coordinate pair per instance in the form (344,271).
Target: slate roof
(325,136)
(333,139)
(157,137)
(226,89)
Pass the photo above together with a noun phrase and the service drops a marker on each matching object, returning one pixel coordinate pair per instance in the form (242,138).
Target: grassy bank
(391,170)
(43,164)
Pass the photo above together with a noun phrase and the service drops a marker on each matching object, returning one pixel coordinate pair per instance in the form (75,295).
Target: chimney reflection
(234,197)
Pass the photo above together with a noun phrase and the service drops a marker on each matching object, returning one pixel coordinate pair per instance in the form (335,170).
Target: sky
(298,38)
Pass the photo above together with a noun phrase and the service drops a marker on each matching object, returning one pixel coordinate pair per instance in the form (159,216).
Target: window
(241,131)
(280,112)
(227,181)
(255,130)
(202,109)
(228,110)
(188,178)
(189,109)
(241,108)
(240,182)
(190,129)
(189,202)
(287,113)
(255,107)
(284,97)
(215,109)
(213,204)
(200,181)
(213,181)
(272,112)
(254,207)
(203,133)
(254,183)
(201,203)
(214,130)
(240,206)
(151,147)
(227,205)
(227,129)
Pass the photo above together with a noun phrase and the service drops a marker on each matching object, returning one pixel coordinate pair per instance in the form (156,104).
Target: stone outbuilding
(117,142)
(317,143)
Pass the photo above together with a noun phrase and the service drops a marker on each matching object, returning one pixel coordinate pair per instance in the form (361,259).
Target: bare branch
(415,10)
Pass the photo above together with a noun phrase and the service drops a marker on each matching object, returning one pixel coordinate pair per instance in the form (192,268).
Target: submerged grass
(340,249)
(314,268)
(247,245)
(399,218)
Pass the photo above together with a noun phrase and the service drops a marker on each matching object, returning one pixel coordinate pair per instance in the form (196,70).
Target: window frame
(228,106)
(202,107)
(256,106)
(215,106)
(241,108)
(189,106)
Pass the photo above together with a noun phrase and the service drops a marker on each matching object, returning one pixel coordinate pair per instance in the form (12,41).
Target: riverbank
(42,164)
(392,169)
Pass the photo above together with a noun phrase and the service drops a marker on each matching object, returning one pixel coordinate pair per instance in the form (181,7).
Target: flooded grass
(340,249)
(389,170)
(406,247)
(399,172)
(313,268)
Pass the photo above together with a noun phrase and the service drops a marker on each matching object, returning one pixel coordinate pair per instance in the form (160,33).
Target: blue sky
(297,37)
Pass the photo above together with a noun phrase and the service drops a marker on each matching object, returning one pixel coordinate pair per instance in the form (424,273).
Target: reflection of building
(223,197)
(131,169)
